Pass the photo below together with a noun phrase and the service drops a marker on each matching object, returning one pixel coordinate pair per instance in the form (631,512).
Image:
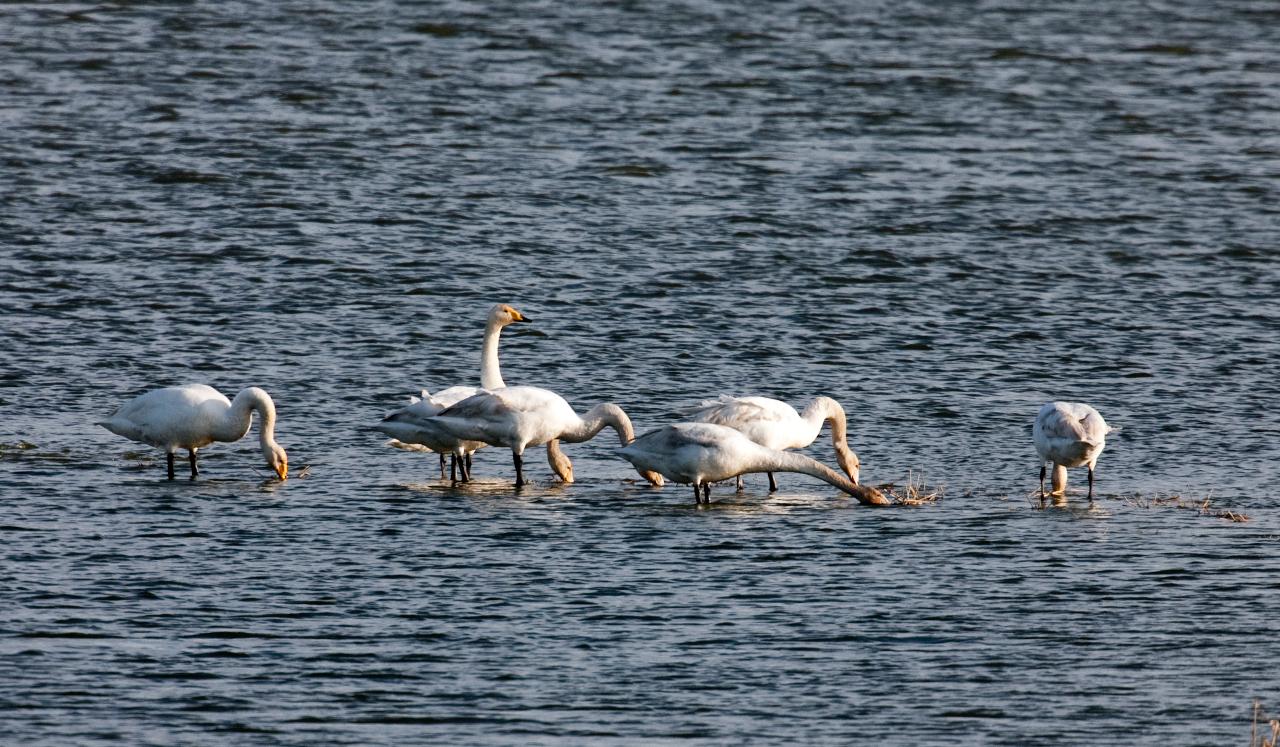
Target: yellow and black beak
(283,470)
(521,317)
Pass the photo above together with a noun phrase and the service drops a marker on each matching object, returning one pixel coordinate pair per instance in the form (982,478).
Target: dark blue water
(942,215)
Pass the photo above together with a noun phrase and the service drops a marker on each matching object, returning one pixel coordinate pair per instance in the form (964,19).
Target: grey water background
(941,214)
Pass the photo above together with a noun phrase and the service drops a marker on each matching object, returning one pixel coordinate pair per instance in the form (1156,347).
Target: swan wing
(170,417)
(417,410)
(452,396)
(482,406)
(1069,433)
(738,411)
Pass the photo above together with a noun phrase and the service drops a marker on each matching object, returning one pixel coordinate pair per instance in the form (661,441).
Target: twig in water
(914,493)
(1254,740)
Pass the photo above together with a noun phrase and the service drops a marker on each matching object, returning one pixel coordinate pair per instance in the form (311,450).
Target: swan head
(503,314)
(874,497)
(654,478)
(277,460)
(848,462)
(559,462)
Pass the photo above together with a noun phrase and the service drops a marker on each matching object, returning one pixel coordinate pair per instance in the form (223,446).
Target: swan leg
(442,465)
(1042,481)
(519,462)
(191,455)
(741,486)
(170,465)
(468,466)
(697,495)
(773,484)
(453,467)
(706,493)
(465,469)
(1090,483)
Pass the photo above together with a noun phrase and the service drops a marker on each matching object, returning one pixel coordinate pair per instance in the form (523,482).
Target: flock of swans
(721,440)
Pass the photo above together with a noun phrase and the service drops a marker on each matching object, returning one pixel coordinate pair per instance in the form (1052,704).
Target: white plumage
(522,416)
(403,424)
(702,453)
(1068,434)
(195,415)
(776,425)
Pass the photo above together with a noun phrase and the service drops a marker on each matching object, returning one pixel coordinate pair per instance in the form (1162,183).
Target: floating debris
(27,450)
(914,493)
(1261,740)
(1176,501)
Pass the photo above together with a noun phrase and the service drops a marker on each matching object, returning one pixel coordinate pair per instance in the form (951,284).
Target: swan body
(401,424)
(776,425)
(522,416)
(413,426)
(703,453)
(1068,434)
(195,415)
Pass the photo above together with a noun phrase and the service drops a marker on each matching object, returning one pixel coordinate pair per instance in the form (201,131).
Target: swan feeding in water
(193,416)
(518,417)
(1068,434)
(776,425)
(703,453)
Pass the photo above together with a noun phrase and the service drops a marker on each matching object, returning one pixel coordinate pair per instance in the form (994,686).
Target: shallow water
(940,216)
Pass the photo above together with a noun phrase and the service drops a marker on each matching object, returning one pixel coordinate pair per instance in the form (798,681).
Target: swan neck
(785,461)
(490,375)
(596,419)
(826,410)
(240,416)
(1059,479)
(559,461)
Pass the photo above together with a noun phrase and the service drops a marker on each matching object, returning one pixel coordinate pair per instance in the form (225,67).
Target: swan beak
(521,318)
(654,478)
(283,470)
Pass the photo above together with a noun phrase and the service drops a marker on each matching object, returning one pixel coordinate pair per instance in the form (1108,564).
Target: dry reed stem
(1254,740)
(1201,507)
(914,493)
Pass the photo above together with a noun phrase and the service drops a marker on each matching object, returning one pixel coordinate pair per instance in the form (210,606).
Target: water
(941,215)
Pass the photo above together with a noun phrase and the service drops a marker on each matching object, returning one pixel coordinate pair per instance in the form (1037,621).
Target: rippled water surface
(941,214)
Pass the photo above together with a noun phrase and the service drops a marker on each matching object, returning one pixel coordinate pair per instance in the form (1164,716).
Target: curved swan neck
(596,419)
(490,375)
(785,461)
(826,410)
(240,416)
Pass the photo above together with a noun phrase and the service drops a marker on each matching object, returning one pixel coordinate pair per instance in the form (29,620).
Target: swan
(776,425)
(406,427)
(518,417)
(501,315)
(703,453)
(1068,434)
(193,416)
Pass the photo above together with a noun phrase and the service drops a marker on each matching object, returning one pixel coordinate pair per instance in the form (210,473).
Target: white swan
(703,453)
(1068,434)
(777,425)
(399,424)
(193,416)
(518,417)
